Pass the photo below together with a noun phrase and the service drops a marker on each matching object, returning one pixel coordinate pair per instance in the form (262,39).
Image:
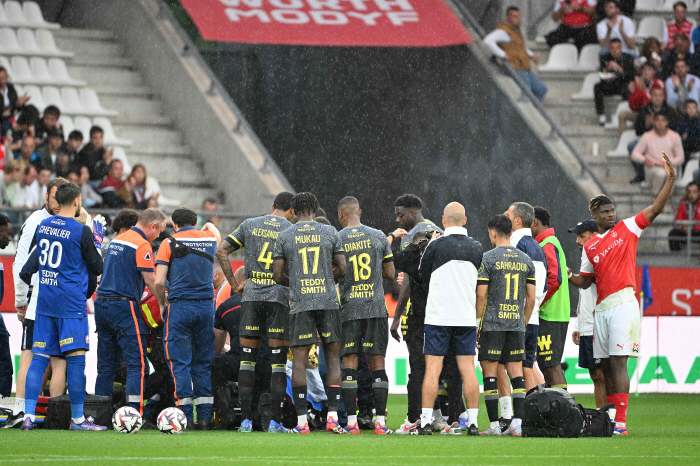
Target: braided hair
(598,202)
(305,203)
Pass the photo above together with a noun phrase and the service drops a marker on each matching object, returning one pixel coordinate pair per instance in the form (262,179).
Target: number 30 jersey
(258,236)
(362,289)
(308,247)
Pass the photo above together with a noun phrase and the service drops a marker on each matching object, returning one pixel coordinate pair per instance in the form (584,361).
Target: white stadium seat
(52,96)
(647,5)
(119,153)
(21,71)
(83,124)
(651,26)
(687,175)
(48,45)
(586,92)
(614,122)
(562,57)
(59,71)
(33,16)
(110,135)
(37,98)
(14,13)
(67,124)
(621,149)
(8,42)
(71,101)
(40,71)
(589,59)
(91,103)
(5,63)
(3,17)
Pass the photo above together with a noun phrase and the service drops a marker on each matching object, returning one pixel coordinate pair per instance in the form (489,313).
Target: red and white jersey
(612,256)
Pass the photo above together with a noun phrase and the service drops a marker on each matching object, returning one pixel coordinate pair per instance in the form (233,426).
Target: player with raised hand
(265,308)
(66,252)
(610,257)
(308,251)
(364,314)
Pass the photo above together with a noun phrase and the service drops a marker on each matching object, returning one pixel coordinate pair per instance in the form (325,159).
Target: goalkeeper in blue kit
(66,252)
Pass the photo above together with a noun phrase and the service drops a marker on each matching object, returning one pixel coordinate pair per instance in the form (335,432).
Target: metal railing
(555,132)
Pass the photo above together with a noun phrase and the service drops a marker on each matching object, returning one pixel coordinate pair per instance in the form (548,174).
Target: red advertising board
(676,291)
(369,23)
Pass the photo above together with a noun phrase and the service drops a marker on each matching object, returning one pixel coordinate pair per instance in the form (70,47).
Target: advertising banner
(369,23)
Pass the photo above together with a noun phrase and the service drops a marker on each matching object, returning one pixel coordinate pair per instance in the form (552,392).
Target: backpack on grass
(551,412)
(58,414)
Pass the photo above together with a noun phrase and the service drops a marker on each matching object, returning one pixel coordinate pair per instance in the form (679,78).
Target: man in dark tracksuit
(5,355)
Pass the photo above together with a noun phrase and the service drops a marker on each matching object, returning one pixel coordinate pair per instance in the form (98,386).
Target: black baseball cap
(586,225)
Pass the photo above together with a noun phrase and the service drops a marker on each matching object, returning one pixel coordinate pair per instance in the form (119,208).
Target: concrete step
(112,90)
(584,138)
(171,151)
(94,75)
(171,169)
(142,120)
(85,34)
(90,47)
(612,170)
(103,61)
(152,136)
(561,85)
(132,105)
(190,196)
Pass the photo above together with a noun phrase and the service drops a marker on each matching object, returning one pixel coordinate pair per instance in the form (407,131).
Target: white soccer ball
(127,420)
(172,421)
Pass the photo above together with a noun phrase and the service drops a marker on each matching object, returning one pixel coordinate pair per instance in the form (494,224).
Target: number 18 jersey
(258,236)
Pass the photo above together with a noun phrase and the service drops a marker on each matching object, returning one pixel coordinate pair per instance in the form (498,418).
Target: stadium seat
(621,149)
(59,71)
(589,60)
(586,92)
(5,63)
(8,42)
(651,26)
(71,101)
(83,124)
(40,71)
(21,71)
(37,98)
(154,188)
(3,17)
(48,46)
(67,124)
(52,96)
(647,5)
(546,26)
(33,16)
(614,122)
(687,175)
(110,135)
(91,103)
(562,57)
(119,153)
(14,13)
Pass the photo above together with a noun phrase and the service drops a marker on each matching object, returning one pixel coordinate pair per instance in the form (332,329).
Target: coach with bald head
(450,265)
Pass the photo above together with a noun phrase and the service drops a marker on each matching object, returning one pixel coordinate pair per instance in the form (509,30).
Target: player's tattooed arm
(341,266)
(278,271)
(222,253)
(654,210)
(481,292)
(530,300)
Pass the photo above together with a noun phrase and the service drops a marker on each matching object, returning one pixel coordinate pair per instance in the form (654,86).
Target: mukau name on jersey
(313,285)
(59,232)
(307,239)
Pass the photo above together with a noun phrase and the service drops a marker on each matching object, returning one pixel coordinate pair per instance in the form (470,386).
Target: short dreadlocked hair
(598,202)
(409,201)
(305,203)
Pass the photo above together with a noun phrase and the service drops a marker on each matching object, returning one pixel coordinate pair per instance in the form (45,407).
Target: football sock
(19,406)
(437,415)
(278,380)
(301,420)
(381,420)
(75,377)
(518,397)
(612,412)
(348,388)
(621,402)
(333,394)
(299,394)
(491,397)
(246,380)
(352,419)
(493,424)
(380,390)
(32,384)
(516,422)
(464,415)
(473,416)
(426,416)
(506,407)
(563,386)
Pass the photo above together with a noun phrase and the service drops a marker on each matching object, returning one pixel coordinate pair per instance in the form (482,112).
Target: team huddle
(305,284)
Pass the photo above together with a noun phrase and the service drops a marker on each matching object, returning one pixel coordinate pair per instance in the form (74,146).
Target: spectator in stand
(95,156)
(49,151)
(63,165)
(640,94)
(23,126)
(681,24)
(681,51)
(43,179)
(210,205)
(10,102)
(616,26)
(90,197)
(73,177)
(114,191)
(28,192)
(626,8)
(682,86)
(46,124)
(577,23)
(651,53)
(507,42)
(137,183)
(650,147)
(687,206)
(619,67)
(27,153)
(71,146)
(689,129)
(9,190)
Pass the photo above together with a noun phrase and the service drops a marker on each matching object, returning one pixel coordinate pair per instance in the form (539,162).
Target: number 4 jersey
(65,252)
(362,289)
(258,236)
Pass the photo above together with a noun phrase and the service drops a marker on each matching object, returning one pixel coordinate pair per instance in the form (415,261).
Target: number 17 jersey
(258,236)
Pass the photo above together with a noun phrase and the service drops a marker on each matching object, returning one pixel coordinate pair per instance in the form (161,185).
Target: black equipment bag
(598,423)
(58,414)
(551,412)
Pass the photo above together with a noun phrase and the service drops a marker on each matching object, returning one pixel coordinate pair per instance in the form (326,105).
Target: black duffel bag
(58,414)
(598,423)
(551,412)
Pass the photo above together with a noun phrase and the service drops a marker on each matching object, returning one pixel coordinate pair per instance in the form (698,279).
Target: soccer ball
(172,421)
(126,420)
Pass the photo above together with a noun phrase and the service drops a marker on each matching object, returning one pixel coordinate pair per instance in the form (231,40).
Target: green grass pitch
(663,430)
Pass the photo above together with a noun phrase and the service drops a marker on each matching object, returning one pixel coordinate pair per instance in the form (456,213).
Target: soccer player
(365,318)
(25,304)
(265,308)
(186,260)
(505,297)
(308,251)
(610,257)
(121,331)
(583,328)
(5,355)
(450,266)
(555,310)
(65,252)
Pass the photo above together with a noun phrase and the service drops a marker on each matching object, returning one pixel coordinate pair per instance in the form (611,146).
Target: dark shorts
(585,354)
(55,336)
(27,334)
(550,343)
(502,346)
(261,318)
(303,327)
(365,336)
(449,341)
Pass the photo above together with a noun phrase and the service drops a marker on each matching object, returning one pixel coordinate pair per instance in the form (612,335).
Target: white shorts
(617,331)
